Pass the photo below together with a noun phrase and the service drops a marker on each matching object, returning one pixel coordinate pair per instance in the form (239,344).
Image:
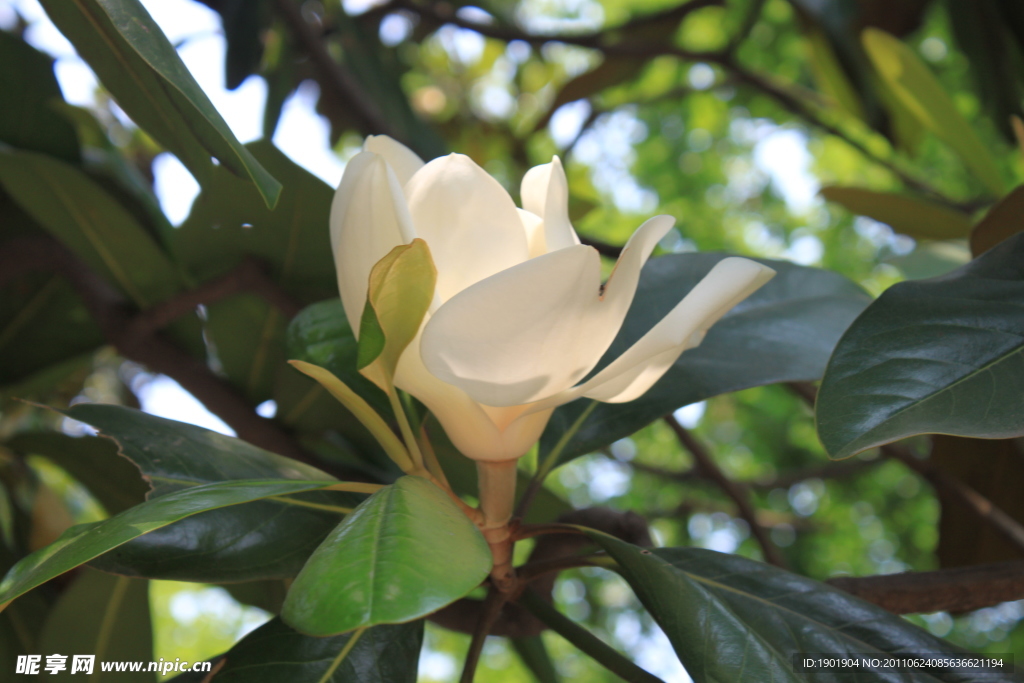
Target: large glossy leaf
(28,91)
(104,615)
(405,552)
(140,68)
(733,619)
(906,215)
(261,540)
(921,93)
(85,542)
(115,482)
(939,356)
(78,212)
(783,332)
(275,652)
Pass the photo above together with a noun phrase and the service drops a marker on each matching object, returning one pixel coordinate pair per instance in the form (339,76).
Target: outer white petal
(536,329)
(402,160)
(545,192)
(468,220)
(479,432)
(635,371)
(369,217)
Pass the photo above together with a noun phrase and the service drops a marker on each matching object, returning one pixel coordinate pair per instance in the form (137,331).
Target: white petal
(545,192)
(533,226)
(369,218)
(479,432)
(402,160)
(536,329)
(468,220)
(635,371)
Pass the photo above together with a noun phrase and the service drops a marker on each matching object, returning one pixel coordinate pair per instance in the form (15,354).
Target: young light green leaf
(362,410)
(405,552)
(84,542)
(141,69)
(400,291)
(911,216)
(922,94)
(938,356)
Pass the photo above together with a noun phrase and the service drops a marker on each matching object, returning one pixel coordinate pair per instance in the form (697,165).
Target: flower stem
(407,434)
(497,482)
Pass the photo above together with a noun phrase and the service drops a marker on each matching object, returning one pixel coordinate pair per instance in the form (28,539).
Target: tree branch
(135,335)
(957,590)
(739,494)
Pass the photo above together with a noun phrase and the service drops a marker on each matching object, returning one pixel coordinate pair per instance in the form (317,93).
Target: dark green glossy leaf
(115,482)
(939,356)
(28,91)
(140,68)
(85,542)
(262,540)
(405,552)
(733,619)
(79,213)
(784,332)
(105,615)
(275,652)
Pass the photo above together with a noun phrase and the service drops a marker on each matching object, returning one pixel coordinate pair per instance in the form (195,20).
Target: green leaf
(939,356)
(140,68)
(91,223)
(104,615)
(918,89)
(400,291)
(321,335)
(28,89)
(262,540)
(733,619)
(275,652)
(784,332)
(115,482)
(1001,222)
(403,553)
(85,542)
(911,216)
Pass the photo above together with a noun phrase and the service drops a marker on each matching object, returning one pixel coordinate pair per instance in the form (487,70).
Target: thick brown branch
(957,590)
(738,493)
(123,329)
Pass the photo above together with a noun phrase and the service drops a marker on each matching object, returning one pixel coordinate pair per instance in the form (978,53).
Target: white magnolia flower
(520,315)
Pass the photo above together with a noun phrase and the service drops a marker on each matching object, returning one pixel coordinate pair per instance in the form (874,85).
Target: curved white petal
(479,432)
(635,371)
(538,328)
(468,220)
(369,218)
(533,226)
(402,160)
(545,192)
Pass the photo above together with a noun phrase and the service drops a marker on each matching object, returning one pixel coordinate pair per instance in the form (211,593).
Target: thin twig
(957,590)
(738,493)
(532,570)
(585,640)
(333,74)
